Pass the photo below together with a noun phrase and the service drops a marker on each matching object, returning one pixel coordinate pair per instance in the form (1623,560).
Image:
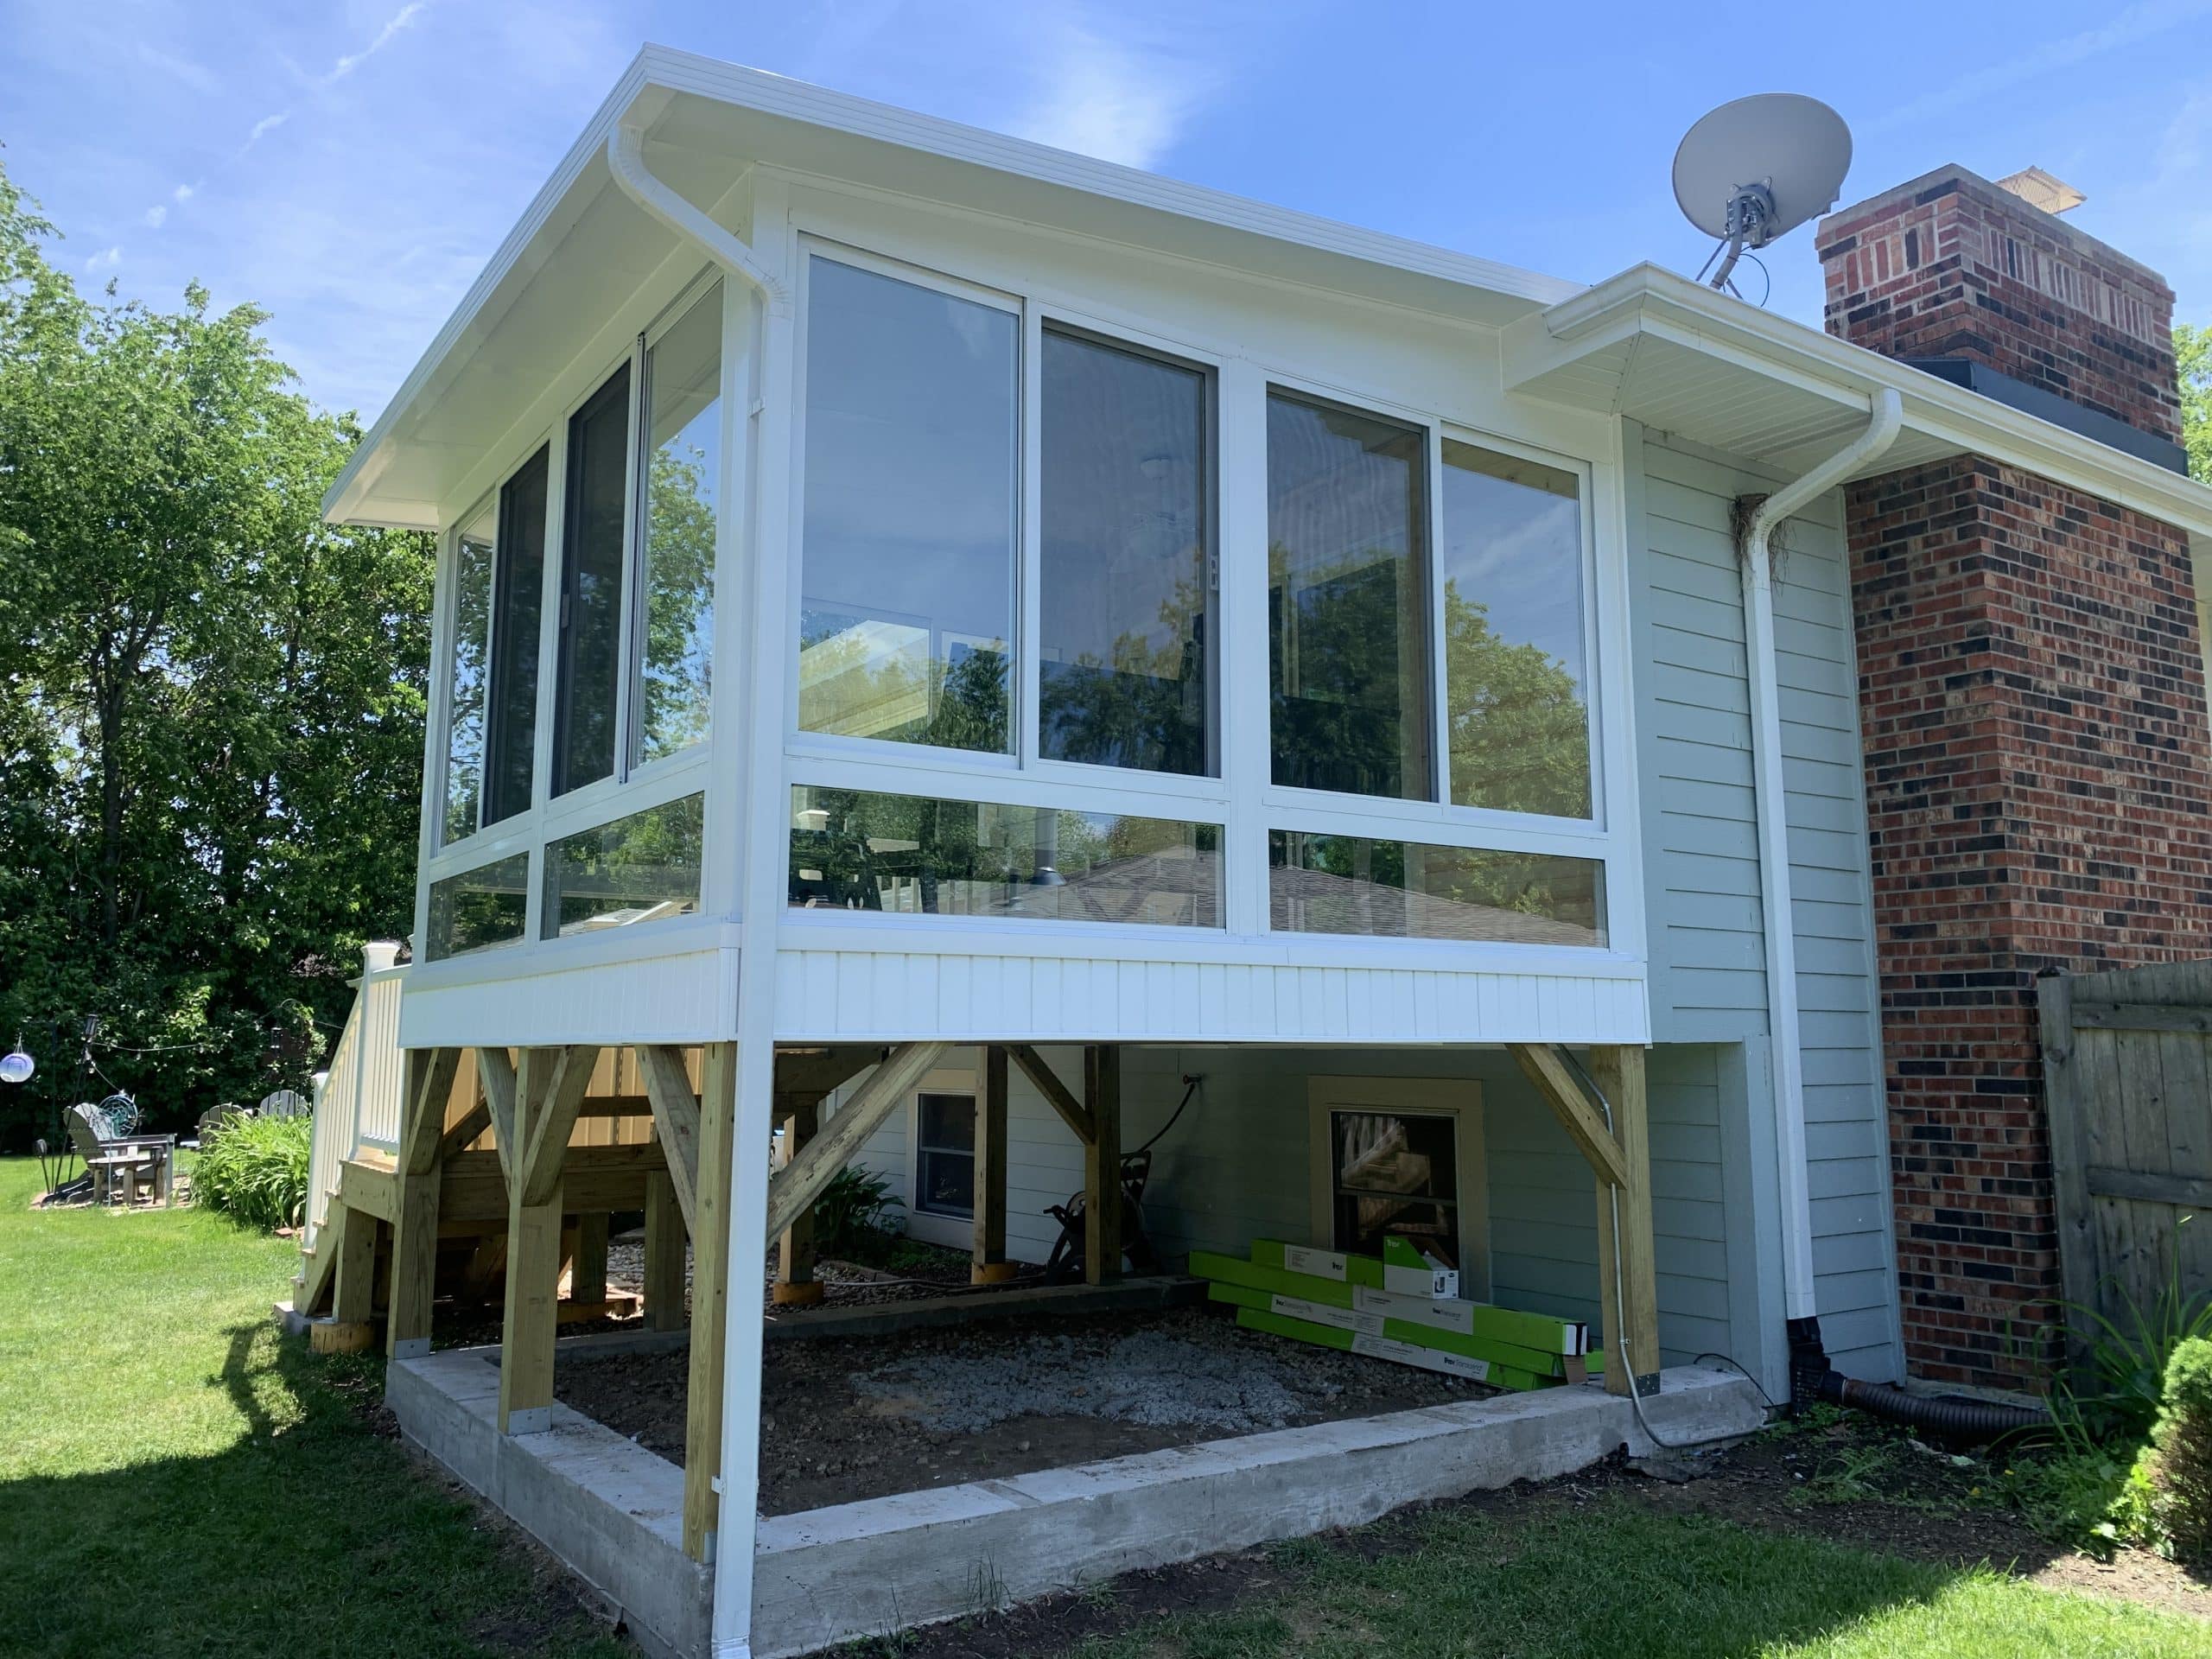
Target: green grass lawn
(174,1479)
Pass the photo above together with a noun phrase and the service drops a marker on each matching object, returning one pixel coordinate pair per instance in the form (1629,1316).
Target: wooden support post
(1618,1073)
(587,1274)
(665,1241)
(702,1427)
(794,1282)
(989,1266)
(676,1119)
(549,1084)
(1102,1164)
(793,1189)
(431,1074)
(352,1300)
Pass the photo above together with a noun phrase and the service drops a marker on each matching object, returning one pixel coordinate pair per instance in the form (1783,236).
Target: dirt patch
(850,1418)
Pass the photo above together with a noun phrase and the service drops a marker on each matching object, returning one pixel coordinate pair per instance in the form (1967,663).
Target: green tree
(211,735)
(2193,357)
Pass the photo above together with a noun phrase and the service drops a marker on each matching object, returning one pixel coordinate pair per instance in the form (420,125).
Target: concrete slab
(611,1509)
(867,1569)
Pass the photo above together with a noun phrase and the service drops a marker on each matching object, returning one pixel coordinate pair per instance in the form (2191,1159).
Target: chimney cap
(2039,189)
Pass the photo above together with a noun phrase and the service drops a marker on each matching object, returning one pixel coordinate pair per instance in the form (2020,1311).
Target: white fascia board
(351,498)
(1648,300)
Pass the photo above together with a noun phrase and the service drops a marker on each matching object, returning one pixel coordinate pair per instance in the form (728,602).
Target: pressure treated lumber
(703,1425)
(1563,1092)
(1047,1083)
(495,1072)
(548,1083)
(1102,1164)
(795,1187)
(988,1264)
(676,1118)
(666,1239)
(587,1268)
(1618,1071)
(795,1284)
(431,1074)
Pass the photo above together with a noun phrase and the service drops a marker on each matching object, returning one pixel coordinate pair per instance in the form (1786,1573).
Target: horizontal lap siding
(1708,978)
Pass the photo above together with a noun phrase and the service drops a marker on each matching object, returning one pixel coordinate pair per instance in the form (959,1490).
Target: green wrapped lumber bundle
(1346,1302)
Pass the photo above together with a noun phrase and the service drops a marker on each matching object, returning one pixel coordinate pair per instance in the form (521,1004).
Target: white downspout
(1885,417)
(731,1545)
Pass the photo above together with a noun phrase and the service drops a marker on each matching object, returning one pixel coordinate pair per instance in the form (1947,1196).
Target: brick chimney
(2032,707)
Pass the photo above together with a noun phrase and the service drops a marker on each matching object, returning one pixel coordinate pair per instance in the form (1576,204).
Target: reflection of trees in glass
(471,624)
(1558,889)
(1340,712)
(1519,732)
(642,863)
(679,599)
(864,678)
(855,850)
(480,908)
(1146,707)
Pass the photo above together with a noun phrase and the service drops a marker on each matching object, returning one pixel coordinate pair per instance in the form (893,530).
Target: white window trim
(930,1226)
(1459,1099)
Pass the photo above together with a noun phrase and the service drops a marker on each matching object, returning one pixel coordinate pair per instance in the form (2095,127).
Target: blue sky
(349,166)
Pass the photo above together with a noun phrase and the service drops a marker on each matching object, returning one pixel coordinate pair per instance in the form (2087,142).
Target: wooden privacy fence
(2127,1076)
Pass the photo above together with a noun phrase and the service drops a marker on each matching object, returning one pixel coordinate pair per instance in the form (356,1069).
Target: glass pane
(517,604)
(472,655)
(1347,612)
(944,1183)
(1395,1177)
(477,909)
(1402,889)
(906,585)
(641,869)
(591,587)
(1125,594)
(1516,700)
(857,851)
(683,495)
(948,1122)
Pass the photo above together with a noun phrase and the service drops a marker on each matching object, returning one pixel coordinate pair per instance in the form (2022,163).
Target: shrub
(853,1212)
(256,1171)
(2179,1461)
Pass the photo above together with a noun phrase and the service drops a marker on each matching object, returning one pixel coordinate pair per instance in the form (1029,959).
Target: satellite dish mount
(1755,169)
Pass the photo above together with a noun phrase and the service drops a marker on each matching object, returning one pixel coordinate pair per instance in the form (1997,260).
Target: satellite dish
(1758,168)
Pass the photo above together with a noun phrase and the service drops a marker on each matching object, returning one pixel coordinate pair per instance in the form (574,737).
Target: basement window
(1395,1175)
(944,1154)
(479,909)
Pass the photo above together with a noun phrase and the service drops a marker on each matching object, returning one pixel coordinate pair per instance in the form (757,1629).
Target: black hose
(1964,1419)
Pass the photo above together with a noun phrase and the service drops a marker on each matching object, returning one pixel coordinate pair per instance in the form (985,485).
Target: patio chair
(215,1117)
(127,1158)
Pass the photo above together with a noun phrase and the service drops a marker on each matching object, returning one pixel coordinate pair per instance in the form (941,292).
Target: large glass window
(683,498)
(592,561)
(477,909)
(1402,889)
(907,577)
(465,686)
(1126,592)
(1347,601)
(641,869)
(517,604)
(1517,715)
(854,850)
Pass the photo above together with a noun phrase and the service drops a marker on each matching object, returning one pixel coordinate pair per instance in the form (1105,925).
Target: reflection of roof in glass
(1315,902)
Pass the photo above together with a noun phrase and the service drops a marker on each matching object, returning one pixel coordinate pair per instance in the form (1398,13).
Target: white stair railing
(356,1100)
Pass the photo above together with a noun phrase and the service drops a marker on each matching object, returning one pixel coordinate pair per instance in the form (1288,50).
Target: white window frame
(932,1226)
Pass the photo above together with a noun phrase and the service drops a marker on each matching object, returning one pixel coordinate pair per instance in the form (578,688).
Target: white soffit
(1673,354)
(581,247)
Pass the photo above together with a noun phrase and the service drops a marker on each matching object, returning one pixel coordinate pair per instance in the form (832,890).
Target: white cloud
(105,259)
(2131,27)
(197,76)
(353,60)
(263,128)
(155,214)
(183,194)
(1121,100)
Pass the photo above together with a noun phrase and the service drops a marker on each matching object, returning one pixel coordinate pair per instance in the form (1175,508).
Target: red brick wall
(1950,265)
(2039,792)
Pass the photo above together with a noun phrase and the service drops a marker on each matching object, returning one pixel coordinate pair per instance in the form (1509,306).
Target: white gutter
(1886,419)
(626,160)
(731,1545)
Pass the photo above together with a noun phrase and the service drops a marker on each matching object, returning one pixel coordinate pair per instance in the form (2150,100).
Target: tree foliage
(211,740)
(2193,357)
